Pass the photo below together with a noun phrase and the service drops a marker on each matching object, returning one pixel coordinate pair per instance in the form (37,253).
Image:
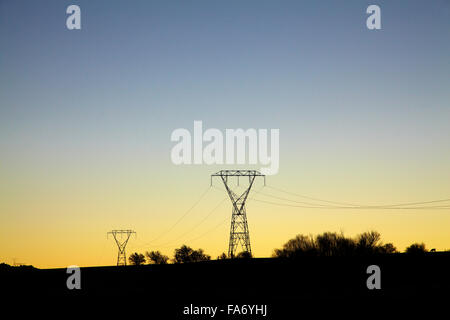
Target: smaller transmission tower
(121,237)
(239,233)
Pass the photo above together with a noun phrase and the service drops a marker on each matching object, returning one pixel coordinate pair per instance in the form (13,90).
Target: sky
(86,118)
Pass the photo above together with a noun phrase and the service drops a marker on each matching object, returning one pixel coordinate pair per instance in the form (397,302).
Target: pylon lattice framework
(239,233)
(121,237)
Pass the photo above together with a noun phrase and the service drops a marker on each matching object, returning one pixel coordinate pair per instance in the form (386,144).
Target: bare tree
(300,245)
(137,259)
(368,242)
(388,248)
(334,244)
(244,255)
(187,254)
(223,256)
(156,257)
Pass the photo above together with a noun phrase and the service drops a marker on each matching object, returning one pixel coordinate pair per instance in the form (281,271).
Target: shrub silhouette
(368,243)
(156,257)
(299,246)
(416,249)
(344,246)
(388,248)
(244,255)
(137,259)
(4,266)
(223,256)
(186,254)
(334,244)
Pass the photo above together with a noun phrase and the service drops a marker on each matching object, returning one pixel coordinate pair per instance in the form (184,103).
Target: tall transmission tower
(239,233)
(121,237)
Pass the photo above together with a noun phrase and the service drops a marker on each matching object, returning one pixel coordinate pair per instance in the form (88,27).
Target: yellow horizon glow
(63,220)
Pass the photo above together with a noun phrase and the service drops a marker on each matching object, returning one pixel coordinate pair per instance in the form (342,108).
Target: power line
(180,219)
(170,244)
(311,198)
(191,229)
(203,220)
(343,205)
(223,221)
(209,231)
(196,238)
(359,208)
(286,199)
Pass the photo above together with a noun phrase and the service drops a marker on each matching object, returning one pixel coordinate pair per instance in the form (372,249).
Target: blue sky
(137,71)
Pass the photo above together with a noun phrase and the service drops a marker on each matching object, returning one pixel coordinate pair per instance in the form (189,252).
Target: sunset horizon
(89,120)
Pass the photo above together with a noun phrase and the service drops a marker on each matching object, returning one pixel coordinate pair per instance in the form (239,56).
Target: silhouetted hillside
(280,283)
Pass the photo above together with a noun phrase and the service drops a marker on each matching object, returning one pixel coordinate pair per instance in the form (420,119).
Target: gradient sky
(86,117)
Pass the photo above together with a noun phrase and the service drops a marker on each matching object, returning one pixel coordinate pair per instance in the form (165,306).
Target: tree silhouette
(4,266)
(137,259)
(300,245)
(186,254)
(156,257)
(388,248)
(223,256)
(244,255)
(344,246)
(416,249)
(368,242)
(334,244)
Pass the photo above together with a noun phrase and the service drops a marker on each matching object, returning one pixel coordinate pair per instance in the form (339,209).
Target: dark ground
(289,288)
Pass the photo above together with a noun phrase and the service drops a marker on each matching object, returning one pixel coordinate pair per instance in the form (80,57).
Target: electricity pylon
(121,237)
(239,234)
